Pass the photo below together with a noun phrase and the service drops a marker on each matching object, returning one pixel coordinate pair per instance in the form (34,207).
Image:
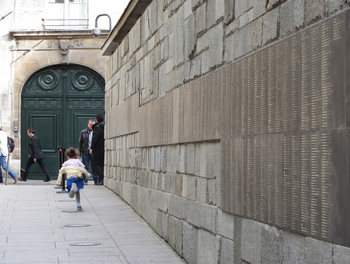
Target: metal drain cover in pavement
(77,225)
(72,211)
(85,244)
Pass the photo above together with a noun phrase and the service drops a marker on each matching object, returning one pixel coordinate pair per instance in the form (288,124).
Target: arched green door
(57,102)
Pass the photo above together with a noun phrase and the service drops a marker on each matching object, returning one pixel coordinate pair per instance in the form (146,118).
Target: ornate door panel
(57,102)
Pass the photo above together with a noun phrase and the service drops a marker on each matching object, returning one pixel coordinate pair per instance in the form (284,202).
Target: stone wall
(156,94)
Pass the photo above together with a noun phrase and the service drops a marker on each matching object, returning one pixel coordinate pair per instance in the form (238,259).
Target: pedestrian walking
(36,155)
(4,152)
(97,149)
(74,168)
(84,146)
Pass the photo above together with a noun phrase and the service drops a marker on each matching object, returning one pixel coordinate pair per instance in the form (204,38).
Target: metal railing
(64,23)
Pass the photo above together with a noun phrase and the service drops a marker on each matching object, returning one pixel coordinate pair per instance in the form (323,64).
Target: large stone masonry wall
(175,185)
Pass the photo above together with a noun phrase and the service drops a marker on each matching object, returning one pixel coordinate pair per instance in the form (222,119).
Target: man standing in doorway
(3,155)
(84,146)
(36,155)
(97,149)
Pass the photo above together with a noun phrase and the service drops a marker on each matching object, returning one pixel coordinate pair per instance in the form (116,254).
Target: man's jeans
(3,164)
(86,158)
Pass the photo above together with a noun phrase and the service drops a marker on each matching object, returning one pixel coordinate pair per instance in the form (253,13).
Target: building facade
(52,72)
(228,126)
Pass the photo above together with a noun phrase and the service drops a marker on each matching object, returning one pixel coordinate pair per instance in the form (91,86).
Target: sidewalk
(34,219)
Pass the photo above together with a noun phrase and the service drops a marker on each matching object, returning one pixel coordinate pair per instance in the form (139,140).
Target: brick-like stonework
(163,141)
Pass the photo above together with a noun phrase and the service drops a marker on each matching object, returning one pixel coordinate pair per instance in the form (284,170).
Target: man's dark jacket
(83,145)
(98,139)
(35,148)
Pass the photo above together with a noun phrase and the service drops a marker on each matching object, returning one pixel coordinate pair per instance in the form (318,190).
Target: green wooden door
(57,102)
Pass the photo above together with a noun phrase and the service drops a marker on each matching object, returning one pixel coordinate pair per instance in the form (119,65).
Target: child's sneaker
(79,207)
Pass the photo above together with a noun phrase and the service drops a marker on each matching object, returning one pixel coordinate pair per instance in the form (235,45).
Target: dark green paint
(57,102)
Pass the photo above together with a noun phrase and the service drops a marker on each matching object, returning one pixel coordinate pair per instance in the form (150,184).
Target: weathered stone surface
(229,10)
(208,218)
(225,225)
(270,25)
(341,255)
(314,10)
(271,245)
(317,251)
(202,190)
(251,241)
(331,6)
(175,234)
(177,207)
(191,187)
(193,213)
(291,16)
(190,243)
(293,248)
(226,250)
(215,11)
(208,248)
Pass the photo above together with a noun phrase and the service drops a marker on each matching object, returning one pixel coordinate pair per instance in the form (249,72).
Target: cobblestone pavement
(39,225)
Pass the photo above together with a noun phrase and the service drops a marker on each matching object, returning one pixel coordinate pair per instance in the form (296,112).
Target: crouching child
(74,169)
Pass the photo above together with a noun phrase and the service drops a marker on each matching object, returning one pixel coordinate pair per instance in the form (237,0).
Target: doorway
(57,102)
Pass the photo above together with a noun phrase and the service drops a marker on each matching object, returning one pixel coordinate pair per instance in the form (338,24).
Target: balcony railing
(52,24)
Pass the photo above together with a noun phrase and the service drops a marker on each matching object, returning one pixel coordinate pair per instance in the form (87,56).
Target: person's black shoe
(47,180)
(21,179)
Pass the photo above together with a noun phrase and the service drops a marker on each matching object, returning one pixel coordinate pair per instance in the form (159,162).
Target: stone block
(190,37)
(314,10)
(191,187)
(208,248)
(163,159)
(271,245)
(190,243)
(293,248)
(171,158)
(193,213)
(177,207)
(163,201)
(251,241)
(157,159)
(195,67)
(208,219)
(179,36)
(201,18)
(175,234)
(317,251)
(291,16)
(226,250)
(202,191)
(216,45)
(341,255)
(242,6)
(169,183)
(181,159)
(187,8)
(225,224)
(272,3)
(270,25)
(215,11)
(229,10)
(190,158)
(331,6)
(179,184)
(257,32)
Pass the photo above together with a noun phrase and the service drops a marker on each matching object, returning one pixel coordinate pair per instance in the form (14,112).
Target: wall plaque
(286,133)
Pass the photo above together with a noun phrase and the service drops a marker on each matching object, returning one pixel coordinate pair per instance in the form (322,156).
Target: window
(63,14)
